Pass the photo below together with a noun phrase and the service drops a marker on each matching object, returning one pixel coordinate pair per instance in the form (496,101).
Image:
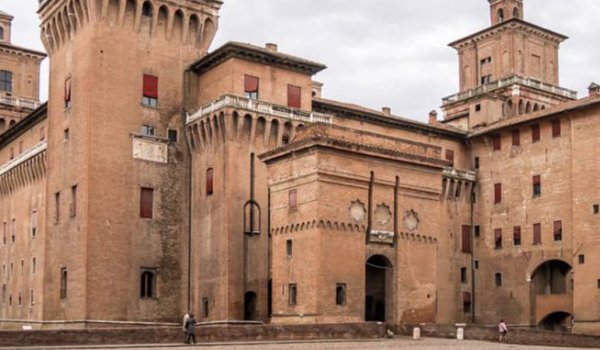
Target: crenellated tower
(508,69)
(117,187)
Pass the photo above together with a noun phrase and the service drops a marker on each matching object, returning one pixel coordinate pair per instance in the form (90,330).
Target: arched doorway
(250,306)
(378,279)
(557,321)
(551,277)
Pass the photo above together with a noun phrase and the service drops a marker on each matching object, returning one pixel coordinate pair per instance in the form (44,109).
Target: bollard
(416,333)
(460,333)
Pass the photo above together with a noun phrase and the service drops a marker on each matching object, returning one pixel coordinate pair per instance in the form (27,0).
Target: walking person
(186,317)
(191,329)
(503,330)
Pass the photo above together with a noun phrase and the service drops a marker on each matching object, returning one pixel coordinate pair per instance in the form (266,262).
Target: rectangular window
(516,137)
(535,132)
(289,248)
(537,234)
(146,202)
(476,162)
(294,96)
(57,206)
(466,302)
(13,230)
(150,91)
(293,200)
(498,280)
(581,259)
(450,157)
(251,87)
(466,239)
(5,81)
(31,300)
(537,185)
(517,235)
(205,308)
(66,135)
(147,130)
(477,231)
(478,107)
(596,208)
(63,283)
(209,181)
(463,275)
(486,60)
(33,223)
(68,93)
(498,238)
(557,230)
(148,283)
(556,128)
(340,294)
(486,79)
(73,208)
(497,193)
(172,135)
(293,294)
(497,142)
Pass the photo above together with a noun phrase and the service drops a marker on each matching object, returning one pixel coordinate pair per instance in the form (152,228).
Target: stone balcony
(23,157)
(242,103)
(19,102)
(506,82)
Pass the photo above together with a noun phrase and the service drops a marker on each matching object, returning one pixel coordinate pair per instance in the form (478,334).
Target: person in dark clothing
(191,329)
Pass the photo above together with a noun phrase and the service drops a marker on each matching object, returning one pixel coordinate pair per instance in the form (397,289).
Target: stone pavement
(387,344)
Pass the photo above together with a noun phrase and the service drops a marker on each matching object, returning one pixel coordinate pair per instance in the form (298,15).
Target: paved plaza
(388,344)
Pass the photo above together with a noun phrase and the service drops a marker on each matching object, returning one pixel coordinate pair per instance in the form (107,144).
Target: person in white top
(502,329)
(186,317)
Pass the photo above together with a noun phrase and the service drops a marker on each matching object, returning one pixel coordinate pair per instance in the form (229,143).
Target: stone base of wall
(216,333)
(522,336)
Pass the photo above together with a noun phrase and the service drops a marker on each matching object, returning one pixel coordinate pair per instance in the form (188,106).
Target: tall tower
(508,69)
(117,169)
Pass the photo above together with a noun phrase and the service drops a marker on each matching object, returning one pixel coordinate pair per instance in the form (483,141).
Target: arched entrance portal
(552,277)
(557,321)
(250,306)
(552,295)
(377,283)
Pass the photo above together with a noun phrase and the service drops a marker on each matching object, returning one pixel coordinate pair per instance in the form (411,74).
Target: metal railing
(512,80)
(238,102)
(19,102)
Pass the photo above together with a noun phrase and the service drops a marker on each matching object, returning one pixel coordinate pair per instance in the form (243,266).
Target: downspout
(370,205)
(472,207)
(189,151)
(269,258)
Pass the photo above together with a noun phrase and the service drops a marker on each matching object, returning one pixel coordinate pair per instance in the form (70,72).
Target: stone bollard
(416,333)
(460,334)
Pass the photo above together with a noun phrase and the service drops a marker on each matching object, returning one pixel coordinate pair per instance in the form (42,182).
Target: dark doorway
(250,306)
(557,322)
(270,298)
(552,277)
(378,268)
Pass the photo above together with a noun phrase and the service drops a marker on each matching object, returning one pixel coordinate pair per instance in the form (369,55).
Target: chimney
(594,89)
(387,111)
(271,47)
(433,117)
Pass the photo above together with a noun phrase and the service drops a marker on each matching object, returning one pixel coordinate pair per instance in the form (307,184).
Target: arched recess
(129,18)
(216,129)
(222,126)
(516,12)
(2,124)
(521,107)
(274,133)
(113,12)
(208,33)
(11,123)
(235,121)
(287,133)
(500,15)
(528,107)
(559,321)
(536,107)
(261,125)
(177,26)
(247,127)
(551,277)
(194,26)
(73,17)
(378,289)
(146,18)
(162,21)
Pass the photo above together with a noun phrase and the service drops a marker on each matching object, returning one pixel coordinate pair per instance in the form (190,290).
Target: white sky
(380,52)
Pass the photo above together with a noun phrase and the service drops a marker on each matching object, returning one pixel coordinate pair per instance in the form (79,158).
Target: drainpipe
(269,258)
(370,205)
(189,153)
(472,205)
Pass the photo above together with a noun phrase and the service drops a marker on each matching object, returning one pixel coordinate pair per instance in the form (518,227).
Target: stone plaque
(383,214)
(357,211)
(382,237)
(149,150)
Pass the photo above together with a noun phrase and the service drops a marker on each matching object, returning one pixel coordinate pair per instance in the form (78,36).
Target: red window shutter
(466,239)
(293,199)
(67,91)
(466,297)
(537,180)
(535,132)
(150,86)
(516,137)
(556,128)
(450,156)
(557,227)
(497,141)
(537,234)
(146,202)
(294,97)
(497,193)
(209,181)
(250,83)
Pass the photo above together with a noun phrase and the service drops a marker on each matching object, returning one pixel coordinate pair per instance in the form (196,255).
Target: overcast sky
(380,52)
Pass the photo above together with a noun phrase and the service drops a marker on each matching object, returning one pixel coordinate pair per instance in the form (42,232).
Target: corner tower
(116,166)
(508,69)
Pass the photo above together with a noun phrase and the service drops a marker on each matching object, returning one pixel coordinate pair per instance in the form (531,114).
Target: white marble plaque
(149,150)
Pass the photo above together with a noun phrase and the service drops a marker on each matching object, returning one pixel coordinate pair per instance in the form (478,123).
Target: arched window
(516,12)
(500,15)
(148,284)
(340,294)
(147,9)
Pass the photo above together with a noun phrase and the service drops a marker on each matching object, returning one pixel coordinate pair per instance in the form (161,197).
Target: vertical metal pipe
(370,209)
(269,257)
(252,194)
(190,192)
(396,192)
(472,200)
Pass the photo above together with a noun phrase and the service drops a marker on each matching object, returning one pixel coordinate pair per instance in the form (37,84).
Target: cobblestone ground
(399,343)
